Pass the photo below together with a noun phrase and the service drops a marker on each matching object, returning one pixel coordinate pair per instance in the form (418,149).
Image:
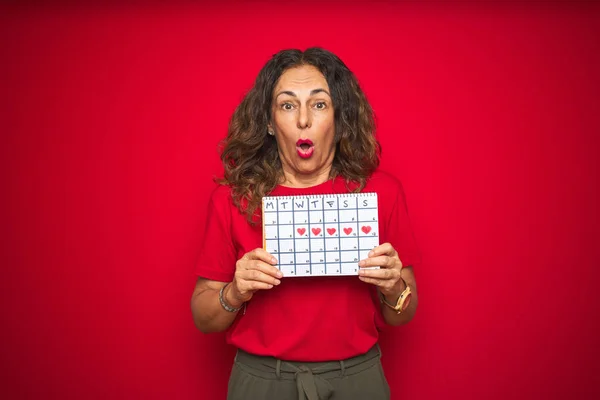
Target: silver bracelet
(226,306)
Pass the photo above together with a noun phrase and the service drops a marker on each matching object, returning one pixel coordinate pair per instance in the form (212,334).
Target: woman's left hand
(387,277)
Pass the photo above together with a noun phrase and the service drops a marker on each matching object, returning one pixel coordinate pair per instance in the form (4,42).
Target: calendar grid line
(322,241)
(309,244)
(294,237)
(358,241)
(339,234)
(319,195)
(278,235)
(358,222)
(324,251)
(323,209)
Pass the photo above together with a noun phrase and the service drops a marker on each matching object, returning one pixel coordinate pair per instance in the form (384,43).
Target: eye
(287,106)
(321,105)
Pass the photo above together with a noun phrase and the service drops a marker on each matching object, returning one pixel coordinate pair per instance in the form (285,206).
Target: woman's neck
(296,180)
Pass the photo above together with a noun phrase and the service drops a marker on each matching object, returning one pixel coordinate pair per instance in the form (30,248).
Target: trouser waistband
(311,377)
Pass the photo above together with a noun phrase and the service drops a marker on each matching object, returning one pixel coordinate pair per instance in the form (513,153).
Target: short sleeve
(400,233)
(217,256)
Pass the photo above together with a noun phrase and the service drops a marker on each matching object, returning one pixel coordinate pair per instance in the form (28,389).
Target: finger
(383,249)
(260,286)
(260,254)
(382,284)
(379,261)
(245,264)
(254,275)
(265,268)
(258,265)
(382,273)
(251,286)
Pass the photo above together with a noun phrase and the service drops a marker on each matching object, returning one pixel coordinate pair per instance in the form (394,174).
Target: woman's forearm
(209,315)
(395,319)
(392,317)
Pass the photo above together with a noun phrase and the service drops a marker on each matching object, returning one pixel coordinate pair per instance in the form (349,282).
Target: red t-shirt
(304,318)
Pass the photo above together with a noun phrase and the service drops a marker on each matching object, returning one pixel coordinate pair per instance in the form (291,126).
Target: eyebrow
(312,92)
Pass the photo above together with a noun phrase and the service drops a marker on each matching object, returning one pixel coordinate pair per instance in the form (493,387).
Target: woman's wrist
(393,298)
(229,299)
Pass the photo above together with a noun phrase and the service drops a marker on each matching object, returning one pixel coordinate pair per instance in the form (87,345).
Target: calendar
(320,235)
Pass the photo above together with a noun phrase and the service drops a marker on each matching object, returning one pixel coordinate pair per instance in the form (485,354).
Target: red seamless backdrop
(110,120)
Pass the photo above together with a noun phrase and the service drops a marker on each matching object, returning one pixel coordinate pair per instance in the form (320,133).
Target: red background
(110,119)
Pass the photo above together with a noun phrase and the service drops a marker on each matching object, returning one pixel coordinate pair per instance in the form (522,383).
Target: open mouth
(305,148)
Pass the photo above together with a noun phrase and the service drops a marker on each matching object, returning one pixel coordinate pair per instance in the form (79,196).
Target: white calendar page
(320,235)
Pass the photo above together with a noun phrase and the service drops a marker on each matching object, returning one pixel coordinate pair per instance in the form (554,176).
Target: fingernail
(273,260)
(361,263)
(277,281)
(371,253)
(279,274)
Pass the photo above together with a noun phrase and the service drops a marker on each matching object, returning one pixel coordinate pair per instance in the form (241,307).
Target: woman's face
(303,122)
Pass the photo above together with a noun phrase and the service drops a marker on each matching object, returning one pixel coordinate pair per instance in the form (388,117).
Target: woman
(304,128)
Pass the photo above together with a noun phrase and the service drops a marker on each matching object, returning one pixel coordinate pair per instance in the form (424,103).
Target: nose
(304,118)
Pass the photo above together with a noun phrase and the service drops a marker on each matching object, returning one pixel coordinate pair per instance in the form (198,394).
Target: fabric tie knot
(311,387)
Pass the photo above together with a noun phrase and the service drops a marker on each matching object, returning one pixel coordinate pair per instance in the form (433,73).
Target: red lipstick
(305,148)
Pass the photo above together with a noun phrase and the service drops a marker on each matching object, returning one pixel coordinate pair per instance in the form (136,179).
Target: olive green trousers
(260,378)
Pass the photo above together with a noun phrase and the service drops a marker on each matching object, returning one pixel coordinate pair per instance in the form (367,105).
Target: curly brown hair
(250,156)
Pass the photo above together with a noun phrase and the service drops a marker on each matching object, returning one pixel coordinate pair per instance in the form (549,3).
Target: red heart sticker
(366,229)
(301,231)
(331,231)
(347,231)
(316,231)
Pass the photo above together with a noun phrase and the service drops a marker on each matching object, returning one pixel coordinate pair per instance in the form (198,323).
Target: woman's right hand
(254,271)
